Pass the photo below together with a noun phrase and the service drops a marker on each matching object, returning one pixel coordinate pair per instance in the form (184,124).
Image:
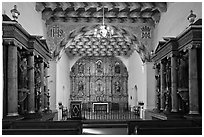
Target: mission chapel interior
(71,66)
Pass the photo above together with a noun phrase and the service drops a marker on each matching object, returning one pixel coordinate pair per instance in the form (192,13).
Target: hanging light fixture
(103,31)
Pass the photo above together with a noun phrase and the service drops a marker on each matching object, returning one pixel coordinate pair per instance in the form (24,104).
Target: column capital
(30,53)
(12,42)
(156,66)
(192,46)
(163,61)
(173,55)
(39,60)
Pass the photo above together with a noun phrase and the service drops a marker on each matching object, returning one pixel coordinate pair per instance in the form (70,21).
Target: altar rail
(103,115)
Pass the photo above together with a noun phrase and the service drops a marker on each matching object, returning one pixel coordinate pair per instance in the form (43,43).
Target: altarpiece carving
(99,79)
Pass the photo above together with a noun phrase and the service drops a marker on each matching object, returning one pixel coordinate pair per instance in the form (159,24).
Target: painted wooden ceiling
(80,40)
(93,11)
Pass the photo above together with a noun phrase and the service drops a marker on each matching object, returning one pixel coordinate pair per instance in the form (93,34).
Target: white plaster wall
(174,21)
(136,77)
(63,81)
(149,99)
(72,61)
(125,61)
(52,70)
(29,18)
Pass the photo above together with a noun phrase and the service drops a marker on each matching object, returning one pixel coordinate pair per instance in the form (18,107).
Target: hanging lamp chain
(103,15)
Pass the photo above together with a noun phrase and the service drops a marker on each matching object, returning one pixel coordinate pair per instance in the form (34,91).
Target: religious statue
(81,68)
(22,82)
(117,68)
(157,77)
(168,88)
(80,89)
(37,87)
(99,66)
(183,72)
(22,72)
(117,86)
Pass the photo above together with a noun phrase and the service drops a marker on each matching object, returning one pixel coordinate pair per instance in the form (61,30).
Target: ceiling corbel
(161,6)
(39,6)
(47,14)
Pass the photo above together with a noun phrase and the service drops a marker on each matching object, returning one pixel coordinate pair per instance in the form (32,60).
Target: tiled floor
(104,131)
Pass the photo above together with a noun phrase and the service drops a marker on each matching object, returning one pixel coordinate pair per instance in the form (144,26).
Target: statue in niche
(37,87)
(117,68)
(158,93)
(168,87)
(117,86)
(22,83)
(99,66)
(168,75)
(183,72)
(81,68)
(157,77)
(72,69)
(99,87)
(22,71)
(80,89)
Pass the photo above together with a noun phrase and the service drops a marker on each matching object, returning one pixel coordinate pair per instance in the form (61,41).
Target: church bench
(133,125)
(72,124)
(45,124)
(170,131)
(53,131)
(6,124)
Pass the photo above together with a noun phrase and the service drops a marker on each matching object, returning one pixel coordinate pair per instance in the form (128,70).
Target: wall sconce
(15,13)
(191,17)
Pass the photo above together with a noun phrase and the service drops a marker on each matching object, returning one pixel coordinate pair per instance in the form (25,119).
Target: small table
(100,107)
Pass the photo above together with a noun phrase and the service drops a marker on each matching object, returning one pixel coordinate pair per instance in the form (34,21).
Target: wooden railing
(104,115)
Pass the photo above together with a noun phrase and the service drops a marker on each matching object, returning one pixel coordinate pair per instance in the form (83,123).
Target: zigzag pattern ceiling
(92,11)
(83,43)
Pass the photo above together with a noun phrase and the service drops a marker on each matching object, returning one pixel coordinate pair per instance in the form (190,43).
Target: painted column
(12,81)
(46,86)
(162,88)
(42,85)
(193,81)
(31,84)
(157,87)
(174,86)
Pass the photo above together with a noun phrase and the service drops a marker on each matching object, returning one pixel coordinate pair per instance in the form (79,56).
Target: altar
(100,107)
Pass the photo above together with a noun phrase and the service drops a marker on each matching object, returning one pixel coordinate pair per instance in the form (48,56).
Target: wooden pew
(60,131)
(170,131)
(72,126)
(133,125)
(6,124)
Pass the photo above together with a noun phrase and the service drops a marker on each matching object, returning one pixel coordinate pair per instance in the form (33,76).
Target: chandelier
(103,31)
